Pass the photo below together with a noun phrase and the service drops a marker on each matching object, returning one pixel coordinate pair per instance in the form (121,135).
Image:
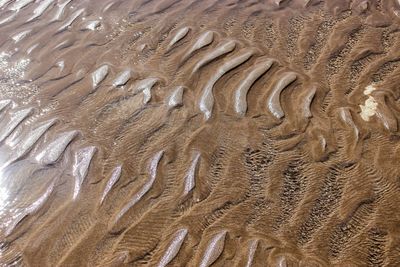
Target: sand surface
(199,133)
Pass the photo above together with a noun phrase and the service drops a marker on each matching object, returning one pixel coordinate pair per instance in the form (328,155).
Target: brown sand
(198,133)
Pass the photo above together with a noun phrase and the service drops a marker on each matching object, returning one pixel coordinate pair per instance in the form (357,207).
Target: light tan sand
(199,133)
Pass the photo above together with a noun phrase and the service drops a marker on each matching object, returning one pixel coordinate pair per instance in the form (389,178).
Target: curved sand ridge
(199,133)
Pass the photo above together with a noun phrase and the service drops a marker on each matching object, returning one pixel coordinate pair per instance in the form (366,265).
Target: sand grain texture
(199,133)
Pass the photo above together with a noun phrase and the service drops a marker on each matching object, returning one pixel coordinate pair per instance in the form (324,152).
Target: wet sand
(199,133)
